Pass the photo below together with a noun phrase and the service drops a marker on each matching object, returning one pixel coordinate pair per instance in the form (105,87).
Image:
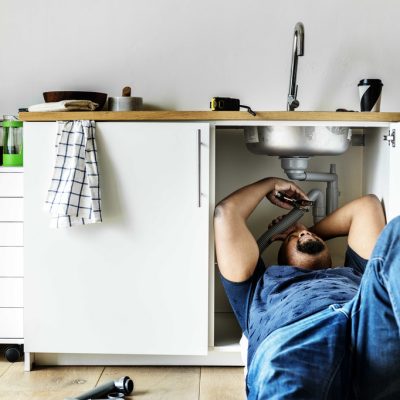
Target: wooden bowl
(99,98)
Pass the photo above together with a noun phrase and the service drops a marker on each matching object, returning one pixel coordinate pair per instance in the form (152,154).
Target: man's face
(303,249)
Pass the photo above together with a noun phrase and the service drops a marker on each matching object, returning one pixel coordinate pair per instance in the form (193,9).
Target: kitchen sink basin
(297,141)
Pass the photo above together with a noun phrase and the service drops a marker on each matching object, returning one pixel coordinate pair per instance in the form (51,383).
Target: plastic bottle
(12,143)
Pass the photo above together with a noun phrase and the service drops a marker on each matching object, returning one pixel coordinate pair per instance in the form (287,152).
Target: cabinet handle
(199,168)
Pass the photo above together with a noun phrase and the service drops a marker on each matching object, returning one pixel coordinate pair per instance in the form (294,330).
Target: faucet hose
(287,221)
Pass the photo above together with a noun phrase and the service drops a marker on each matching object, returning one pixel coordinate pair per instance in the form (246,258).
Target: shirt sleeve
(355,261)
(240,294)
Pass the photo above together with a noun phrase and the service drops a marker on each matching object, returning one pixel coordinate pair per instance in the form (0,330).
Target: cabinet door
(381,166)
(138,282)
(393,208)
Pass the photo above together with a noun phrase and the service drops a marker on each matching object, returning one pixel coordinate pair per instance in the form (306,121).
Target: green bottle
(12,143)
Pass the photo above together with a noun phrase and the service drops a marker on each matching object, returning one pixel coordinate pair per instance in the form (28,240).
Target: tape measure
(228,104)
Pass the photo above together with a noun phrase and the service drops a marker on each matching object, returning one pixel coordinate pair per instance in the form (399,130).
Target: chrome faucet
(298,50)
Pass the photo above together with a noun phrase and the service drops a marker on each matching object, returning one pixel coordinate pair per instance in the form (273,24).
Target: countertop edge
(211,116)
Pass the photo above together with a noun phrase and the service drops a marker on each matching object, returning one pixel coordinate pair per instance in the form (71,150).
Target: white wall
(177,54)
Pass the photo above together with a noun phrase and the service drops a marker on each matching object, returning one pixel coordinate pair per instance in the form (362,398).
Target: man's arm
(236,247)
(362,220)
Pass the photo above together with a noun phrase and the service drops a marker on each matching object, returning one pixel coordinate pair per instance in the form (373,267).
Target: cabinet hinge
(391,137)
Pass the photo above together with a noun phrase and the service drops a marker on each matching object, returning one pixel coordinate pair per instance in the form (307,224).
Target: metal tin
(125,103)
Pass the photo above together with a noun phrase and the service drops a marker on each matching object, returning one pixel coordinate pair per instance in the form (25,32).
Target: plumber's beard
(312,246)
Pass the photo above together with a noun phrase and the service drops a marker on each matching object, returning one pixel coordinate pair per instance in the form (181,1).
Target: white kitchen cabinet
(11,255)
(137,283)
(140,288)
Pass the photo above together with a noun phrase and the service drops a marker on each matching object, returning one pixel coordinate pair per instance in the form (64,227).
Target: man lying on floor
(314,332)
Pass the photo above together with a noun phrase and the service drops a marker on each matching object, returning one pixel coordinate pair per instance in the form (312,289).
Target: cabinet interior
(236,167)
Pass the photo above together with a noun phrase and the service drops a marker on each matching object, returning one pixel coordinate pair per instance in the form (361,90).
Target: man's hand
(290,189)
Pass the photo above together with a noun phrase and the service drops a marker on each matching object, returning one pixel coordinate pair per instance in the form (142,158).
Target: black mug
(370,94)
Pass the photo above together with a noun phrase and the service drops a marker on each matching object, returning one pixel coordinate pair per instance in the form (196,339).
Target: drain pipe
(319,210)
(295,169)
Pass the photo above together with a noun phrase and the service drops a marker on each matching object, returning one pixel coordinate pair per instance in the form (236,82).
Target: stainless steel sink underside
(297,141)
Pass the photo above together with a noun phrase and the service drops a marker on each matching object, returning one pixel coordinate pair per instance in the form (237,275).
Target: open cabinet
(370,165)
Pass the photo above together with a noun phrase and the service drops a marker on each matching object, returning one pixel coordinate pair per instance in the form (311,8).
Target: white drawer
(11,261)
(11,234)
(11,292)
(11,209)
(11,184)
(11,325)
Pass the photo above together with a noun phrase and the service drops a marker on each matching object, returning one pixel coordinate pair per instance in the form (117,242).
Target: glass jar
(12,143)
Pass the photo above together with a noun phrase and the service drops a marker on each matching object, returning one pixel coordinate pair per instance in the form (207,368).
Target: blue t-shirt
(279,295)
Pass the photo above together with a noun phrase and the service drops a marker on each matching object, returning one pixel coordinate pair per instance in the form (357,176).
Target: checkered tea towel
(74,194)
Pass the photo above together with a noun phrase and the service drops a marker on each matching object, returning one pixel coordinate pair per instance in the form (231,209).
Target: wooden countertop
(212,116)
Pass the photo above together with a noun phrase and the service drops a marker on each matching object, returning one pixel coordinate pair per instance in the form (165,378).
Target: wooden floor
(151,383)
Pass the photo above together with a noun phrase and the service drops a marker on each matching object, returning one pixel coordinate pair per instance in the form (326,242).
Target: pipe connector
(295,167)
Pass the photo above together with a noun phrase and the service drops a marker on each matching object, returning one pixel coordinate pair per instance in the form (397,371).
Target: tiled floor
(151,383)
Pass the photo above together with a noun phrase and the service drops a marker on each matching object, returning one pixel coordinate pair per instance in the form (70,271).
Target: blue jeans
(349,351)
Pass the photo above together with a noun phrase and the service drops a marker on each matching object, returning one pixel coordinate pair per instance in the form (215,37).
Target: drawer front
(11,292)
(11,184)
(11,209)
(11,234)
(11,325)
(11,261)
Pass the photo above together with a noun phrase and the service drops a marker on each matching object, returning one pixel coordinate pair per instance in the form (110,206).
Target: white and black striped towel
(74,194)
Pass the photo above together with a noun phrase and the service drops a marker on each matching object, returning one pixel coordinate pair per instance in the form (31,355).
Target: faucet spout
(297,51)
